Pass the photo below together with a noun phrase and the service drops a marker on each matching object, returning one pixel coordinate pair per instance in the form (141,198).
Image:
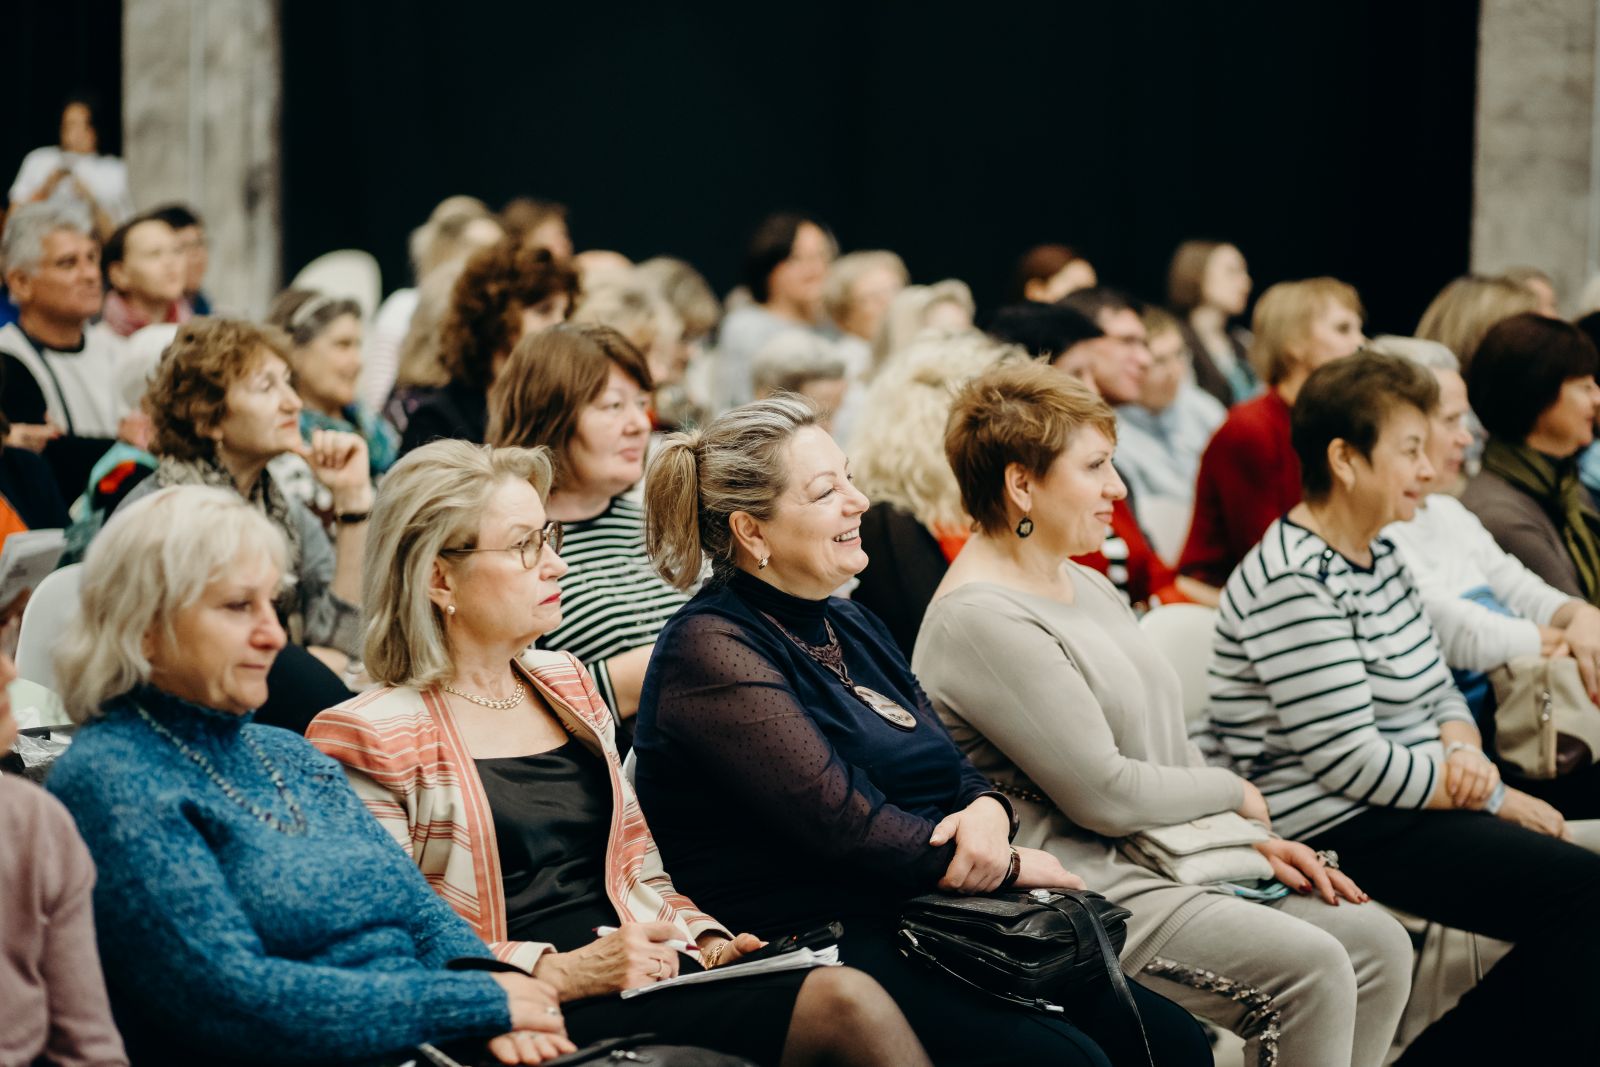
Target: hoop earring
(1025,527)
(761,564)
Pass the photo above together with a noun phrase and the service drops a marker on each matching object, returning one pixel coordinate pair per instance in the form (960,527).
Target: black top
(552,817)
(777,798)
(30,486)
(458,411)
(907,567)
(69,457)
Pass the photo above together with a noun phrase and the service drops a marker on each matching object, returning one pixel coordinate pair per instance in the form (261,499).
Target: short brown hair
(1351,400)
(548,381)
(1283,317)
(485,318)
(1024,413)
(189,392)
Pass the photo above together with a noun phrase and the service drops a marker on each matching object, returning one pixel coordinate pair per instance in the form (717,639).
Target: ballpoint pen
(685,947)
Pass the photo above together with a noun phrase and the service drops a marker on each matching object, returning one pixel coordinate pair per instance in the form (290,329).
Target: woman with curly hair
(504,292)
(224,406)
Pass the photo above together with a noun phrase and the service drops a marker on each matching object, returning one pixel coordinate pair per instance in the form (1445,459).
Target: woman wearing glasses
(583,392)
(495,766)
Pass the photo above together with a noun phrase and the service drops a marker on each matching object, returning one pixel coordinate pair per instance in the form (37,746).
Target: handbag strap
(1085,916)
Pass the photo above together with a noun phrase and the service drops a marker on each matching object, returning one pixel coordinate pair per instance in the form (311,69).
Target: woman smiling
(1329,691)
(1049,686)
(792,768)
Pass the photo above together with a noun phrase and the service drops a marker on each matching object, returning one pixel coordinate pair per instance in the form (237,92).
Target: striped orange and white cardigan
(405,758)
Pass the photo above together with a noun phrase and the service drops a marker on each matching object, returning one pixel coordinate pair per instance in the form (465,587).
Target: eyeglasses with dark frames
(549,534)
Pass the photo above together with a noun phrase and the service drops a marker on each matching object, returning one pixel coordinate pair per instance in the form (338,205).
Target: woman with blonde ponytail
(790,764)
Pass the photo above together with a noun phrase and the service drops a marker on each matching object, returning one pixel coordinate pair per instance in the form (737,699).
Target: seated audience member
(27,488)
(457,227)
(421,372)
(536,223)
(58,367)
(504,292)
(513,750)
(1486,607)
(639,313)
(325,358)
(1120,360)
(684,400)
(785,267)
(784,789)
(1208,287)
(1090,731)
(856,296)
(1589,458)
(1532,385)
(249,910)
(1046,273)
(224,407)
(1465,310)
(943,308)
(1249,474)
(1161,435)
(798,361)
(916,524)
(73,173)
(583,393)
(50,982)
(1540,284)
(1329,691)
(145,273)
(1061,336)
(1076,346)
(191,231)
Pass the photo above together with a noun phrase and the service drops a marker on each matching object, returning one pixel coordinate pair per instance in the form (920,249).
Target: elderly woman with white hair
(249,910)
(1486,606)
(494,766)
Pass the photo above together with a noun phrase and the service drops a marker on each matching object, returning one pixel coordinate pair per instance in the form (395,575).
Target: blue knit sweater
(226,938)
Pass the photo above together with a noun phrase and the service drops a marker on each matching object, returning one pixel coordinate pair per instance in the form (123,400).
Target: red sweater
(1249,476)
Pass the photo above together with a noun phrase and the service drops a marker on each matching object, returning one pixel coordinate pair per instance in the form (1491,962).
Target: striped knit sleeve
(353,742)
(1304,650)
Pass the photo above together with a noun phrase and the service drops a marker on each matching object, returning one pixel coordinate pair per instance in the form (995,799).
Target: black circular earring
(1025,527)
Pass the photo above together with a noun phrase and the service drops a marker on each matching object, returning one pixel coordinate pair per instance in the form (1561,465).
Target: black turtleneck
(777,798)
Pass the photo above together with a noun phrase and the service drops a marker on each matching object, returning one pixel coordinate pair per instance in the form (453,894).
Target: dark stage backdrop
(1329,137)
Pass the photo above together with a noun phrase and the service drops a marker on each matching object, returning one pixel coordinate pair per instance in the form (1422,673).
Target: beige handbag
(1545,725)
(1215,848)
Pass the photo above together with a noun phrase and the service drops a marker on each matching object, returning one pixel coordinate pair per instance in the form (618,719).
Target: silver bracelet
(1496,799)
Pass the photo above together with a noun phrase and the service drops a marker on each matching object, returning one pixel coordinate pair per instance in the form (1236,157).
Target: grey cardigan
(1072,703)
(1523,529)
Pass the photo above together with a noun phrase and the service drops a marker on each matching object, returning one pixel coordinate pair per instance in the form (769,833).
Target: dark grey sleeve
(329,620)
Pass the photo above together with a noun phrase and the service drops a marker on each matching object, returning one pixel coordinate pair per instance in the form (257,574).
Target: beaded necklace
(297,824)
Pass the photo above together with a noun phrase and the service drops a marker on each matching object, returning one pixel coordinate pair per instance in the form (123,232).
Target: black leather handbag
(1033,948)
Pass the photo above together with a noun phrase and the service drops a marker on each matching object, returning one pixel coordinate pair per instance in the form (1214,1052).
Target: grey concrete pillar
(202,87)
(1537,179)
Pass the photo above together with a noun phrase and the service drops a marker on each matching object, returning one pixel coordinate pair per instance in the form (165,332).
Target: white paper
(799,959)
(26,559)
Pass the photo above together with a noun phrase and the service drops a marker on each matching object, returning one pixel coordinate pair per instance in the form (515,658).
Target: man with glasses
(1160,436)
(60,389)
(1121,359)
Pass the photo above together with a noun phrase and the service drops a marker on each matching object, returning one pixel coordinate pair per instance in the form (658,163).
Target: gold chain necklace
(503,704)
